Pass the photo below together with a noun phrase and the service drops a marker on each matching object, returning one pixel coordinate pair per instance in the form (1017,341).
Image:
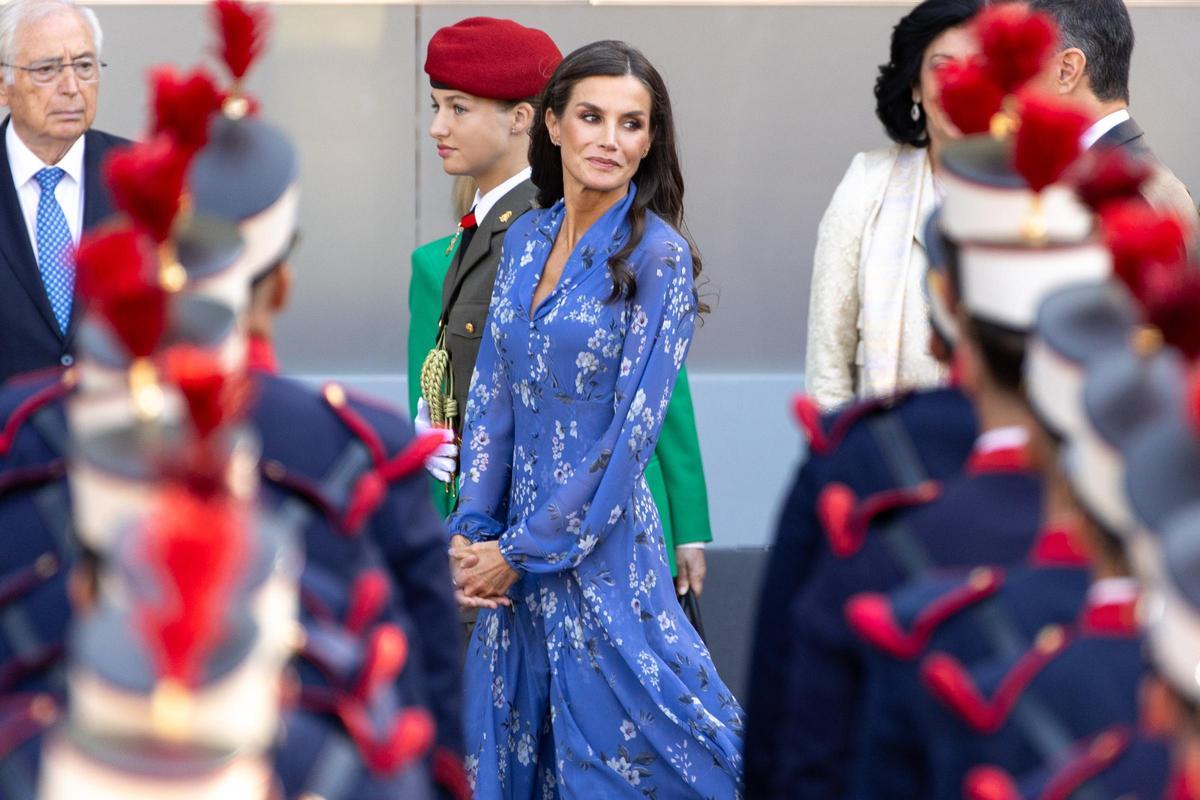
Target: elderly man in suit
(50,186)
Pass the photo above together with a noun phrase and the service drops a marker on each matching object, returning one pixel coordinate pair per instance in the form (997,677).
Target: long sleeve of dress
(833,302)
(581,511)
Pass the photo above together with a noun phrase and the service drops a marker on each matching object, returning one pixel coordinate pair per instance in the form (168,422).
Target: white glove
(443,462)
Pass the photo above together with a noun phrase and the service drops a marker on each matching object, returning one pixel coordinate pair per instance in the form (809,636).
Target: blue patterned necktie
(54,247)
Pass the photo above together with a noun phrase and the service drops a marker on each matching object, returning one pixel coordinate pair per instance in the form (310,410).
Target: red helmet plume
(182,105)
(1016,43)
(1170,298)
(243,32)
(195,548)
(147,181)
(968,95)
(1105,176)
(1047,141)
(115,268)
(1141,240)
(213,397)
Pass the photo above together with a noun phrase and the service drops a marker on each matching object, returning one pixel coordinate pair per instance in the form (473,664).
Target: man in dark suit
(50,185)
(1091,70)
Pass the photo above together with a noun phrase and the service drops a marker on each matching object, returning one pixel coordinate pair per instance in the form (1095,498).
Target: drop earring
(916,112)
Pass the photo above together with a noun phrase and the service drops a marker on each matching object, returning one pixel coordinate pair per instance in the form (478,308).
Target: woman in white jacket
(868,331)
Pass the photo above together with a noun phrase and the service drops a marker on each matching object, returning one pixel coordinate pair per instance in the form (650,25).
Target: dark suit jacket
(1163,190)
(471,275)
(29,334)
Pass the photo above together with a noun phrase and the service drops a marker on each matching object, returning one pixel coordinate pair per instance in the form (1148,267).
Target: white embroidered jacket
(868,327)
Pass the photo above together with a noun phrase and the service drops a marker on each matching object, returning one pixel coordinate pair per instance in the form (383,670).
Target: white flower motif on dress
(549,602)
(649,668)
(640,320)
(562,410)
(526,749)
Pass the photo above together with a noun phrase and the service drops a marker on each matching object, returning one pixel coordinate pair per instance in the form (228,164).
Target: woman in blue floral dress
(583,676)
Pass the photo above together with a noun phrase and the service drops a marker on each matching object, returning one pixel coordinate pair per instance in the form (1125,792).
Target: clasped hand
(481,576)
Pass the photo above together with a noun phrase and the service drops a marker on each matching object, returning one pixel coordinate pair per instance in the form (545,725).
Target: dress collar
(605,237)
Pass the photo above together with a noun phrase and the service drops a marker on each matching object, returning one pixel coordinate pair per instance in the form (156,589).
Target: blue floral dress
(593,684)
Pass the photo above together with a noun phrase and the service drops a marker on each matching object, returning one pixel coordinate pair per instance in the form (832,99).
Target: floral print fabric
(593,683)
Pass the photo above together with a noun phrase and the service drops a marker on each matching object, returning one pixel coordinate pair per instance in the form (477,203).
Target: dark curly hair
(910,37)
(659,179)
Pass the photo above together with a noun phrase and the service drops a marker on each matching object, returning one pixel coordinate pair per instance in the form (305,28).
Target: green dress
(675,473)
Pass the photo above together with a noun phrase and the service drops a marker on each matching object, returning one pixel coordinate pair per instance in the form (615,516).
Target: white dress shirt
(485,203)
(1103,126)
(69,192)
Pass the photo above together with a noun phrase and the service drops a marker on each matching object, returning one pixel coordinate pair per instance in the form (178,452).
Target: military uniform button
(335,395)
(67,360)
(43,710)
(46,565)
(470,327)
(1050,639)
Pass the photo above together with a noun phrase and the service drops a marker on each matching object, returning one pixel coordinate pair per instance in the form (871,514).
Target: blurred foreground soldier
(996,613)
(50,183)
(375,584)
(860,451)
(999,219)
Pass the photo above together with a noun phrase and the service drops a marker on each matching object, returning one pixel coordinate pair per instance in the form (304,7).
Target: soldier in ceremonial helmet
(1014,234)
(376,573)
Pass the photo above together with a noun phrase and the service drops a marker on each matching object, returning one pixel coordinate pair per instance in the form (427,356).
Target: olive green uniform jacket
(675,472)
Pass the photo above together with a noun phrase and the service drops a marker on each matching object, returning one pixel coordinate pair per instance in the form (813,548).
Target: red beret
(494,58)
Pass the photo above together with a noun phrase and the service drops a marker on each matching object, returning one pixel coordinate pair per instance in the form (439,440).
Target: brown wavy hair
(659,179)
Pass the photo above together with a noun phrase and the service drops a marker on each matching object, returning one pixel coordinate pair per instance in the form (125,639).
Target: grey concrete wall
(771,102)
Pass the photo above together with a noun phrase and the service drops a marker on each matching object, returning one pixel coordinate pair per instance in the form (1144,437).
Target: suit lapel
(15,248)
(97,205)
(489,237)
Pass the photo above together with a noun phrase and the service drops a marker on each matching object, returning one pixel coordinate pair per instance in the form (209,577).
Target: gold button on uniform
(470,326)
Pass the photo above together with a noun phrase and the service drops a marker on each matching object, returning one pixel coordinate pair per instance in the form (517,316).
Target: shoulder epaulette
(450,774)
(278,474)
(24,477)
(845,518)
(371,487)
(386,739)
(20,667)
(810,418)
(369,595)
(950,682)
(21,582)
(1086,762)
(871,615)
(988,782)
(1096,756)
(30,406)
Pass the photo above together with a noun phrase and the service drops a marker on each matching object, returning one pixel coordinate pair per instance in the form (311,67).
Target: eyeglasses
(87,70)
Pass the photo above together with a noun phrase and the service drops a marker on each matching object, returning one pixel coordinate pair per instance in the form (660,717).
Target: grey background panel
(771,104)
(340,81)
